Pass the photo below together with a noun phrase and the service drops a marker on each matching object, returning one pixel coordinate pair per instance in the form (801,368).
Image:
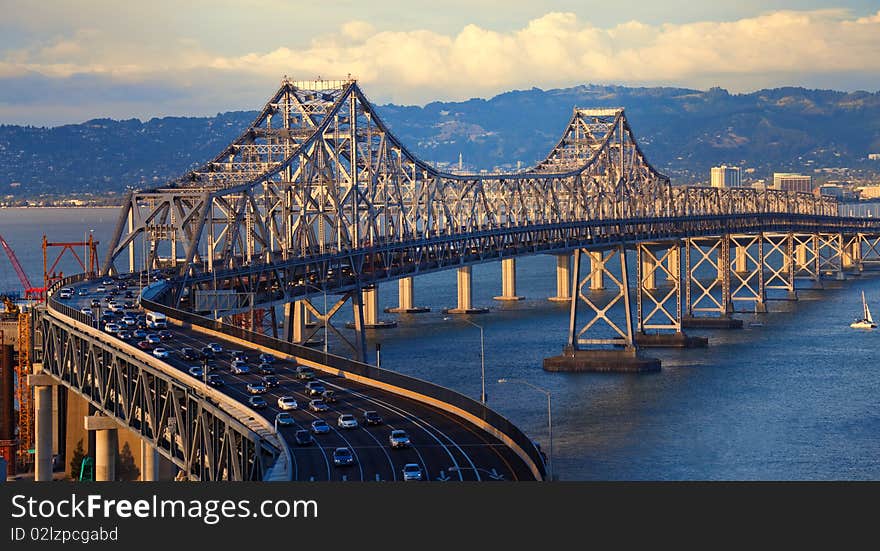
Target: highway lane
(440,441)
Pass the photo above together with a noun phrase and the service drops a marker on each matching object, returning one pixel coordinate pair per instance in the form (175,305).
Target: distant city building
(874,156)
(789,181)
(832,190)
(759,185)
(725,176)
(869,192)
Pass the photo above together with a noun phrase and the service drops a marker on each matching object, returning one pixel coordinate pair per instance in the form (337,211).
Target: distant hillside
(683,132)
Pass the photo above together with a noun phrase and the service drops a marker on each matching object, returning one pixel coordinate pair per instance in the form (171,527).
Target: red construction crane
(30,291)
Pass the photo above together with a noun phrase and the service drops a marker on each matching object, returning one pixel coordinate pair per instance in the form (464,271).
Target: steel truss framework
(198,436)
(318,195)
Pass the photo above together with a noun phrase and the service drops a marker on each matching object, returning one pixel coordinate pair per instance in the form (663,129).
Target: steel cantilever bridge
(318,196)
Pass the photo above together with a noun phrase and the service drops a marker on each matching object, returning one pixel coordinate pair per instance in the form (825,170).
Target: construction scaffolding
(23,393)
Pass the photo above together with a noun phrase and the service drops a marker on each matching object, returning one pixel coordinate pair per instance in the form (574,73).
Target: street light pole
(549,419)
(482,362)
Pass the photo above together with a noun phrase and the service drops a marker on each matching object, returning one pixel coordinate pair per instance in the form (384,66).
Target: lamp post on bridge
(483,396)
(549,418)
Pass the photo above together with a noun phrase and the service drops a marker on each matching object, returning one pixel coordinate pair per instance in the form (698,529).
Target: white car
(195,370)
(287,402)
(215,347)
(347,421)
(239,368)
(412,471)
(86,311)
(101,289)
(160,352)
(112,328)
(399,439)
(256,388)
(115,306)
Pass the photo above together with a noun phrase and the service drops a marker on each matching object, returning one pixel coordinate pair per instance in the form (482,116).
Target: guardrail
(391,378)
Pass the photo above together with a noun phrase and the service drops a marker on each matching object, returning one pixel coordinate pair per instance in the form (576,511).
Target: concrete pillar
(673,261)
(406,299)
(563,278)
(106,446)
(800,255)
(371,306)
(43,438)
(295,318)
(465,303)
(649,278)
(741,260)
(508,280)
(597,276)
(149,462)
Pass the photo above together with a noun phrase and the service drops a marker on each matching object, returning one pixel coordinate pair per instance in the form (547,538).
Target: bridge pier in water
(606,342)
(106,445)
(465,289)
(707,293)
(149,462)
(43,425)
(508,280)
(406,299)
(371,310)
(563,278)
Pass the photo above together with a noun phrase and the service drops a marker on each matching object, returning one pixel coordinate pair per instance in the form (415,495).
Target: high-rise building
(789,181)
(726,176)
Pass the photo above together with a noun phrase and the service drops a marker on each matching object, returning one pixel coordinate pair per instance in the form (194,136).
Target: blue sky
(70,61)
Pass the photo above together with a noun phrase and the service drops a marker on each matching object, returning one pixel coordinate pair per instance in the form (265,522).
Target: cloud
(419,65)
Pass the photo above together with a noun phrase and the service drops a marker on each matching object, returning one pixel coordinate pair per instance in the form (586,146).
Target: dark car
(267,358)
(166,335)
(372,418)
(304,373)
(129,294)
(124,335)
(319,426)
(329,396)
(342,457)
(215,380)
(95,303)
(271,381)
(266,369)
(303,438)
(314,388)
(207,352)
(189,354)
(139,334)
(257,402)
(145,345)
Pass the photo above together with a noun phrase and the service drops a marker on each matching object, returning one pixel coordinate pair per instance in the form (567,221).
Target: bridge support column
(465,305)
(43,423)
(852,254)
(779,266)
(106,446)
(597,276)
(508,280)
(371,310)
(658,311)
(589,348)
(830,255)
(707,301)
(295,321)
(405,299)
(149,462)
(563,278)
(806,255)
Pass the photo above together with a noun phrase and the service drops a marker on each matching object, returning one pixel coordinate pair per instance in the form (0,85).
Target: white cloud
(557,49)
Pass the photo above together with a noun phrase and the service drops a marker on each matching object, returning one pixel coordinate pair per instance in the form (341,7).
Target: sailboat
(867,322)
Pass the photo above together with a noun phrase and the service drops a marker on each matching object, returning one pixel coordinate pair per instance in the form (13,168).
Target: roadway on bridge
(446,447)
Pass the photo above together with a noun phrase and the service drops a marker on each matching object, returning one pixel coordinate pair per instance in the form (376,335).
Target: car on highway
(399,439)
(238,355)
(372,418)
(124,335)
(343,457)
(271,381)
(145,345)
(215,347)
(114,306)
(129,294)
(112,328)
(129,321)
(266,369)
(318,406)
(257,402)
(139,334)
(153,338)
(412,471)
(347,421)
(196,371)
(329,396)
(256,388)
(267,358)
(189,354)
(95,303)
(303,437)
(166,335)
(319,426)
(101,289)
(285,419)
(240,367)
(314,388)
(304,373)
(287,402)
(207,352)
(86,311)
(215,380)
(160,352)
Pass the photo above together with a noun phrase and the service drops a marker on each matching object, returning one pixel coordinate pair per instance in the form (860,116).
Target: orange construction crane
(89,265)
(30,292)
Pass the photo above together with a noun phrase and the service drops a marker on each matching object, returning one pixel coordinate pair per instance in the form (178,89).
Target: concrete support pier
(42,426)
(741,262)
(669,340)
(370,297)
(106,446)
(649,276)
(508,280)
(406,298)
(597,271)
(722,322)
(465,304)
(149,462)
(606,361)
(563,278)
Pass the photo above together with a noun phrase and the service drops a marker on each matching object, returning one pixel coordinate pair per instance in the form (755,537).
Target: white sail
(868,317)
